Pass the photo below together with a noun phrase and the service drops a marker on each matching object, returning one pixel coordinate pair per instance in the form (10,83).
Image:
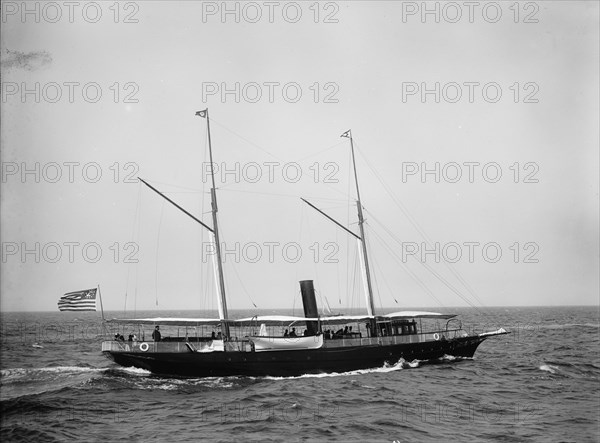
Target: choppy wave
(19,382)
(133,371)
(549,368)
(184,384)
(22,382)
(533,327)
(141,379)
(16,373)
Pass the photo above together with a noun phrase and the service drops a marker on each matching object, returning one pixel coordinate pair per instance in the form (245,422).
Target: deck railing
(176,346)
(145,346)
(395,339)
(246,346)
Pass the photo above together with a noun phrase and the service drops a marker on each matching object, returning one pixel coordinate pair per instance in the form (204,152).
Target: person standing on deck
(156,334)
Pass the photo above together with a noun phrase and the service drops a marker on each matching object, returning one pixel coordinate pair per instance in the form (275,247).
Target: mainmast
(362,240)
(215,234)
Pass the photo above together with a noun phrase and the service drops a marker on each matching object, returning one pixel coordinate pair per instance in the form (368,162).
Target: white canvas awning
(271,320)
(338,319)
(418,314)
(167,321)
(278,320)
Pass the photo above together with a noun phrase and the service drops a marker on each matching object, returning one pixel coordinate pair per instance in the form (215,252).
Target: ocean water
(540,383)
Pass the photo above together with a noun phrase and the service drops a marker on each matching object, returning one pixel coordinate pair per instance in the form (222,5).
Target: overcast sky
(502,100)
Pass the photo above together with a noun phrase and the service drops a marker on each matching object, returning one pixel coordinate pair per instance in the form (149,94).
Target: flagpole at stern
(100,297)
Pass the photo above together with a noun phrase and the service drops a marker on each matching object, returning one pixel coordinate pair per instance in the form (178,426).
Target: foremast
(218,263)
(362,240)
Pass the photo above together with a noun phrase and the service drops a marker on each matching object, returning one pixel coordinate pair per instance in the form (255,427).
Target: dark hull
(292,363)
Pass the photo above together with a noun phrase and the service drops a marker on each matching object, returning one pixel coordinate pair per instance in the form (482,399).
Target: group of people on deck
(329,334)
(346,332)
(132,337)
(292,333)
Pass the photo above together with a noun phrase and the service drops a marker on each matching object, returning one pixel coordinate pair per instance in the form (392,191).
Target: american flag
(78,301)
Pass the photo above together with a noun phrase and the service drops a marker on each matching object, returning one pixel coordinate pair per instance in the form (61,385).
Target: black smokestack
(310,305)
